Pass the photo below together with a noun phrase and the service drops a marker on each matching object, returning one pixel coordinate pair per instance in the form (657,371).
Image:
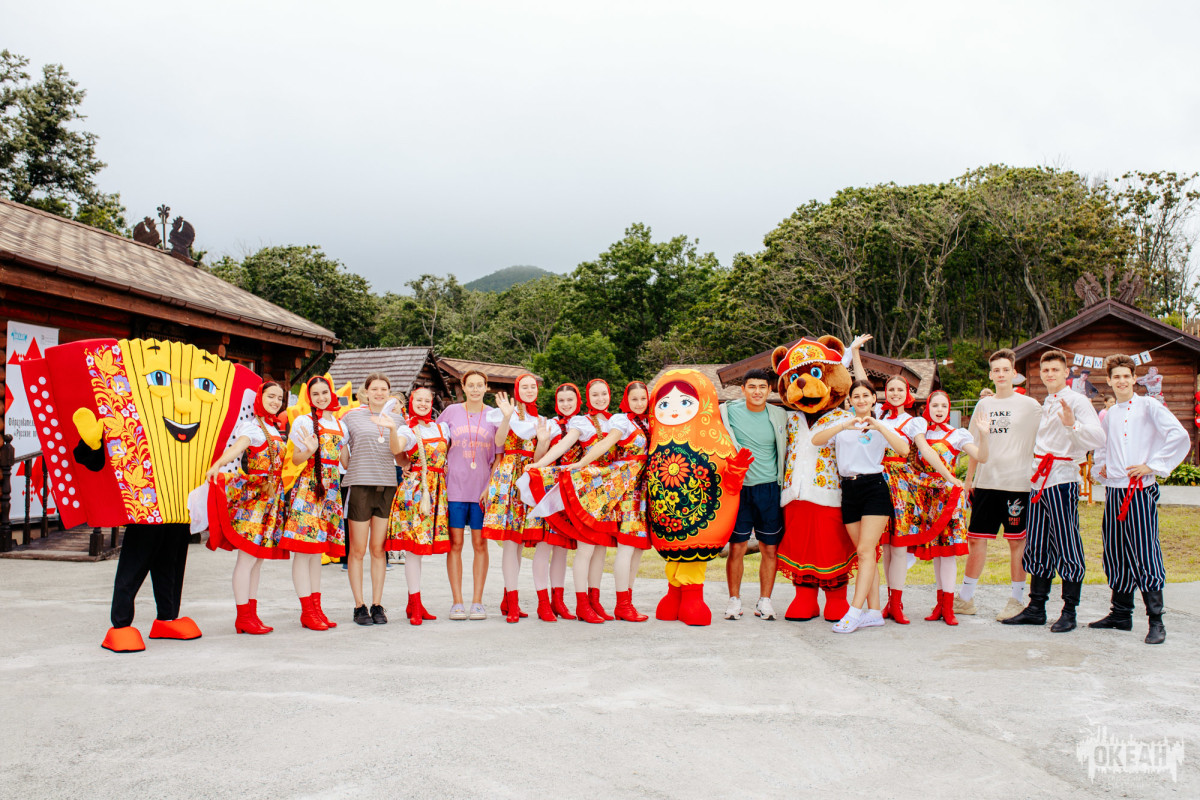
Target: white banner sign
(24,342)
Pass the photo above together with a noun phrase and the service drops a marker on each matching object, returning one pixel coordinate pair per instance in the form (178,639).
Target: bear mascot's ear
(777,356)
(833,343)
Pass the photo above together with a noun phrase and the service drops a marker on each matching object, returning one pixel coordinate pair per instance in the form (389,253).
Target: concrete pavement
(470,709)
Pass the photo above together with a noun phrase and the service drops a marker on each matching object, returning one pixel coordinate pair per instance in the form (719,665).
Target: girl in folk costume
(246,511)
(596,492)
(550,554)
(419,522)
(939,495)
(861,444)
(314,524)
(519,431)
(546,492)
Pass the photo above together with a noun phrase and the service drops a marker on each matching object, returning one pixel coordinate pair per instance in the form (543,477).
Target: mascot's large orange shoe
(124,640)
(693,487)
(182,628)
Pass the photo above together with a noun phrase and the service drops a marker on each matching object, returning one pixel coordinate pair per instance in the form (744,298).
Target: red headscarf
(260,410)
(562,419)
(641,420)
(333,404)
(890,411)
(530,408)
(603,413)
(936,426)
(415,419)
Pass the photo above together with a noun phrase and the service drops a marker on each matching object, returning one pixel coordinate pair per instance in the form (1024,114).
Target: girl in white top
(860,444)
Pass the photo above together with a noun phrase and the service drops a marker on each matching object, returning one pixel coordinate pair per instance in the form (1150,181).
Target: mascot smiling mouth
(183,433)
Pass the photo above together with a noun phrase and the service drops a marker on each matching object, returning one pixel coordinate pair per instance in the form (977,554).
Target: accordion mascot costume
(693,487)
(128,429)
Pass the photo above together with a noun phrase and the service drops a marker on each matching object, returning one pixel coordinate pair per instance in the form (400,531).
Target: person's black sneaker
(377,615)
(363,617)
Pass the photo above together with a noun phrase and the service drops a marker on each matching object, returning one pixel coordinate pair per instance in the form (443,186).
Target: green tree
(637,289)
(305,281)
(1160,210)
(44,161)
(578,358)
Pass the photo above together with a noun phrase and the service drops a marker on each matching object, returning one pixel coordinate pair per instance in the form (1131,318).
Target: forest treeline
(945,270)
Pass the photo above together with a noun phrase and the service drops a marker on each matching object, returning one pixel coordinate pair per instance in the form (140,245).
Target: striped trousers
(1132,554)
(1052,543)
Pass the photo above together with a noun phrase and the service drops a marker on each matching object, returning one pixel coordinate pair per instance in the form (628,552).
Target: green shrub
(1183,475)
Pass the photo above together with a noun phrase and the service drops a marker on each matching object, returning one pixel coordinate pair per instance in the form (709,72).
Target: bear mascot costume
(693,488)
(129,429)
(816,552)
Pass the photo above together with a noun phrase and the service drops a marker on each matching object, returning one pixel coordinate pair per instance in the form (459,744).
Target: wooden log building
(405,367)
(1111,326)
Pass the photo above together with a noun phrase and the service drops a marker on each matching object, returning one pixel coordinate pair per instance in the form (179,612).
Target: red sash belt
(1045,464)
(437,470)
(894,460)
(1135,483)
(528,453)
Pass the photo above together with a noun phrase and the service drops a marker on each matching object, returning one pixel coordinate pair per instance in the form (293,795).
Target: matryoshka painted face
(676,408)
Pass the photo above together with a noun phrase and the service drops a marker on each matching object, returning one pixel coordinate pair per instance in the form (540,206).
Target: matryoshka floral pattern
(690,489)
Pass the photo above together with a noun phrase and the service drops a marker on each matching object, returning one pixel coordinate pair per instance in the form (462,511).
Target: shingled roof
(498,374)
(37,239)
(402,365)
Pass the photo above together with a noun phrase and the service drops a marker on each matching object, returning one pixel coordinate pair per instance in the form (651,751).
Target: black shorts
(865,496)
(365,502)
(759,512)
(992,509)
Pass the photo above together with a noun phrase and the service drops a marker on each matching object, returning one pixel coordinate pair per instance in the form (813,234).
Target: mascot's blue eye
(159,378)
(795,378)
(816,372)
(205,384)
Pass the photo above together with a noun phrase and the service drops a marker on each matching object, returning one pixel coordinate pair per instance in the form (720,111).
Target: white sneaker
(734,609)
(871,618)
(849,623)
(764,609)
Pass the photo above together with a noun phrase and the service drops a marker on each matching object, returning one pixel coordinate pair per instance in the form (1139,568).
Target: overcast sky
(462,137)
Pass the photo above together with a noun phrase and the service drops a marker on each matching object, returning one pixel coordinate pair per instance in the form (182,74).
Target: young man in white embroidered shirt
(1068,429)
(998,490)
(1143,439)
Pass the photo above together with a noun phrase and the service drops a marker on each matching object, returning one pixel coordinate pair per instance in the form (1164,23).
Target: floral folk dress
(904,529)
(505,516)
(247,509)
(546,490)
(314,523)
(943,527)
(609,499)
(409,529)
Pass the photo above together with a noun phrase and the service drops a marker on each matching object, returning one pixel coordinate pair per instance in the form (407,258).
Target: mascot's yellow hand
(91,430)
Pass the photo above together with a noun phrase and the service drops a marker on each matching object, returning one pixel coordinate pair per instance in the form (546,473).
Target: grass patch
(1177,531)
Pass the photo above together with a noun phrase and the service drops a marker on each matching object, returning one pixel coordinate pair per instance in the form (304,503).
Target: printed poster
(24,342)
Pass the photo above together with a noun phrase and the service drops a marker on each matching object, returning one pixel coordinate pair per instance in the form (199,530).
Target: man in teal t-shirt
(763,429)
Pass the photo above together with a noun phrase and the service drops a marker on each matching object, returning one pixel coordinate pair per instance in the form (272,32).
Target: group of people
(576,481)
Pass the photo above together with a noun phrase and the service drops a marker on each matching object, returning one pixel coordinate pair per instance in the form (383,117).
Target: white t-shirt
(856,457)
(1012,431)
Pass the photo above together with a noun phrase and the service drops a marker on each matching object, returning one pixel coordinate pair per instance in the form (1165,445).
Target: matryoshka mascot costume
(693,487)
(129,429)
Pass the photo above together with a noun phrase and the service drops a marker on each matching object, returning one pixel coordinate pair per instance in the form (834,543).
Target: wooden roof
(81,253)
(496,373)
(402,365)
(1108,308)
(921,373)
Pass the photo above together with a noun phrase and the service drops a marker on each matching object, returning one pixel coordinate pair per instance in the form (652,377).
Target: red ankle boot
(425,615)
(668,608)
(544,611)
(948,608)
(625,610)
(594,599)
(309,618)
(559,604)
(513,608)
(584,611)
(246,623)
(316,600)
(504,605)
(896,605)
(936,614)
(254,613)
(413,610)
